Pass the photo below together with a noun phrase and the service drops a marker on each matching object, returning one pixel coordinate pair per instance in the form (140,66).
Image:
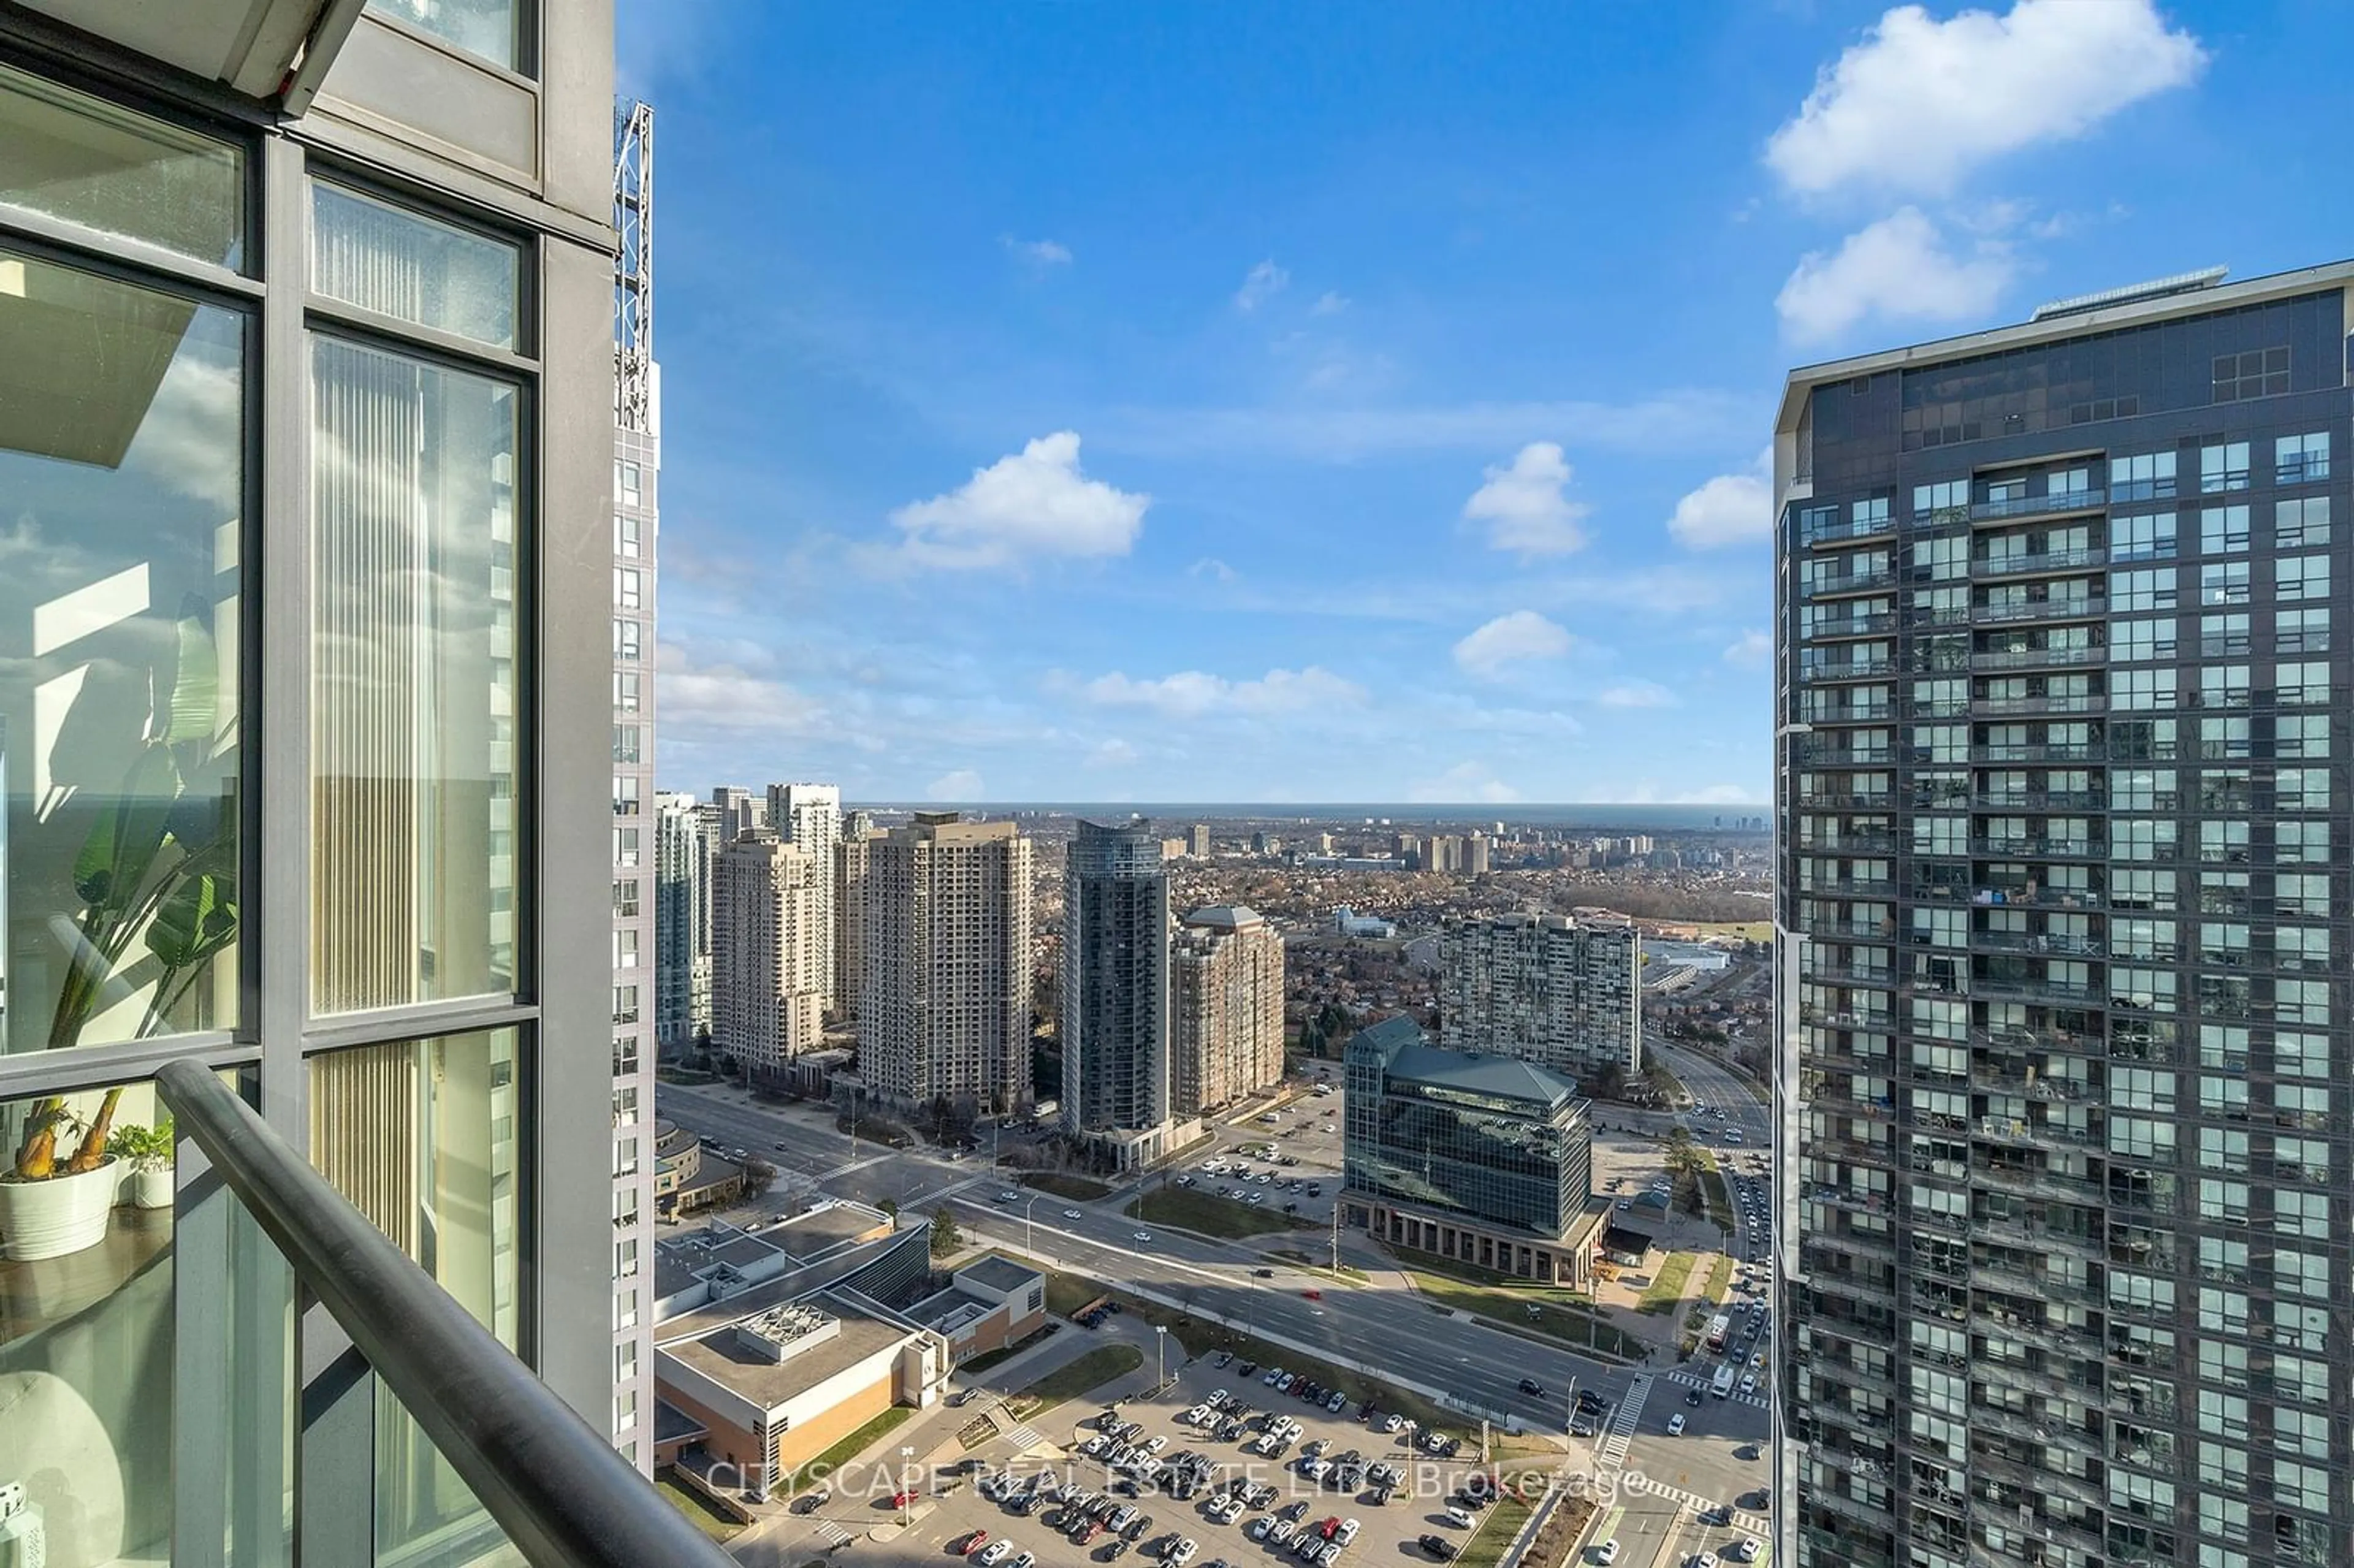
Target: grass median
(1072,1379)
(1559,1316)
(1720,1275)
(1078,1189)
(1207,1214)
(1667,1286)
(1497,1529)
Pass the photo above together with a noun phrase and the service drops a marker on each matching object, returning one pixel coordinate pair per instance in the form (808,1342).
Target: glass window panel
(423,1138)
(418,269)
(122,493)
(86,1341)
(413,727)
(79,159)
(484,27)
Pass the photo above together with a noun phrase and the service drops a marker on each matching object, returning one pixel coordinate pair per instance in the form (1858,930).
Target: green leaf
(194,707)
(196,921)
(122,842)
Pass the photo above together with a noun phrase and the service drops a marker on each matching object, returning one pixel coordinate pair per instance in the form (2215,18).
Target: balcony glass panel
(86,1328)
(422,1139)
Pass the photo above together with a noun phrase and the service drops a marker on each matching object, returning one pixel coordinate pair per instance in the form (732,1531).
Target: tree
(945,1238)
(758,1177)
(890,1206)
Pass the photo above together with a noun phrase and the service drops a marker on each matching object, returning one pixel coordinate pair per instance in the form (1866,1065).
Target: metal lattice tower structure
(633,265)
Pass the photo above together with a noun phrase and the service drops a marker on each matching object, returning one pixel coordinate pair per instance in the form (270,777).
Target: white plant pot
(62,1214)
(152,1189)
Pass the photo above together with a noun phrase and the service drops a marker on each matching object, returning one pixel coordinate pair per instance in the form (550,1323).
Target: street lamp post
(1025,1218)
(906,1453)
(1160,1358)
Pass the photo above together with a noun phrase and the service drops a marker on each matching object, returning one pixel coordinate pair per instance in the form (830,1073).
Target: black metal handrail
(558,1489)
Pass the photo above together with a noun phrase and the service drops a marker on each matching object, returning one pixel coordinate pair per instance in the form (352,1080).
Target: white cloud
(1920,102)
(1464,782)
(1260,285)
(1718,795)
(1898,267)
(957,784)
(1035,503)
(1211,567)
(1637,695)
(1329,303)
(727,698)
(1190,694)
(1112,753)
(1039,253)
(1524,506)
(1509,639)
(1750,652)
(1731,509)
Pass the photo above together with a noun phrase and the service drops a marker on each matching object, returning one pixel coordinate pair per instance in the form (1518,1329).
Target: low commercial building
(986,1307)
(772,1345)
(771,1392)
(688,1177)
(1486,1159)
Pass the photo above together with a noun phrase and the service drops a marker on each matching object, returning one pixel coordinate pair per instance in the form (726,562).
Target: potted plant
(147,1150)
(158,869)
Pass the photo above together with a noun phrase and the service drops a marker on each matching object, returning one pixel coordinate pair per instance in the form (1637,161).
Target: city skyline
(1314,503)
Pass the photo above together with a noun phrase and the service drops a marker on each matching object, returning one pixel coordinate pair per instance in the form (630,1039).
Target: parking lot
(1305,1139)
(1244,1485)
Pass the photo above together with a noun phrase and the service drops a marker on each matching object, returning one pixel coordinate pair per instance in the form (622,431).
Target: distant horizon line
(1294,808)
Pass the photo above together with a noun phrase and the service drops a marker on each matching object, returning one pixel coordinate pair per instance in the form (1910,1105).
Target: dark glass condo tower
(2063,1076)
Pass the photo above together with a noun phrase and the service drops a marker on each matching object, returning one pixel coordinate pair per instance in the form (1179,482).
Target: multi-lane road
(1392,1329)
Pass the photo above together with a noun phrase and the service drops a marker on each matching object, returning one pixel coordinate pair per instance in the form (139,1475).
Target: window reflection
(123,474)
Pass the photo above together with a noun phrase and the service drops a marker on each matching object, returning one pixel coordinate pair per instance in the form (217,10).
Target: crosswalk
(1611,1452)
(942,1194)
(1024,1439)
(831,1534)
(1694,1379)
(1739,1518)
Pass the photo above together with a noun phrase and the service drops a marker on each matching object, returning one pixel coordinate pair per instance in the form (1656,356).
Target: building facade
(306,435)
(681,904)
(637,463)
(1487,1160)
(852,859)
(1225,1010)
(944,1006)
(1115,997)
(769,944)
(1565,994)
(2061,932)
(810,815)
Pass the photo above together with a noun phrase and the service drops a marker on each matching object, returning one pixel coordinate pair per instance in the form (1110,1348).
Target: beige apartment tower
(1565,994)
(770,951)
(944,1004)
(852,856)
(1226,1022)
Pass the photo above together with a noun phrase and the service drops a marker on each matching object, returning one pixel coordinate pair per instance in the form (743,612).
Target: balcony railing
(2091,607)
(2043,703)
(2039,849)
(2035,658)
(1868,580)
(2036,561)
(2065,751)
(553,1484)
(2046,800)
(1850,669)
(1847,528)
(1877,624)
(2038,505)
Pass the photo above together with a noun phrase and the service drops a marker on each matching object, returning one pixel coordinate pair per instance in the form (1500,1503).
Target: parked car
(1438,1546)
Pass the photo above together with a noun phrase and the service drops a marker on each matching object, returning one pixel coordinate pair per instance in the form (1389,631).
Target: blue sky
(1352,401)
